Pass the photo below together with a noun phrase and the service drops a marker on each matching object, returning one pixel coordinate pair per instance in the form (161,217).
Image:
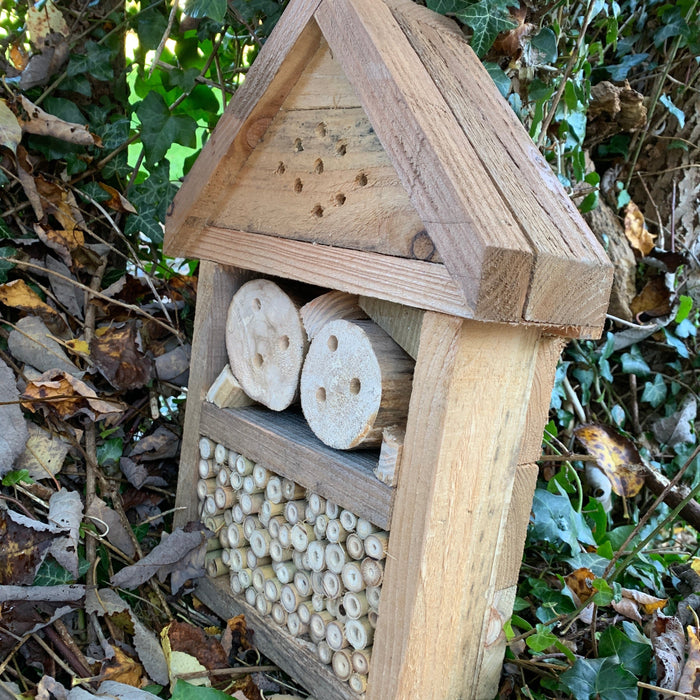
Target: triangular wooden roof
(474,221)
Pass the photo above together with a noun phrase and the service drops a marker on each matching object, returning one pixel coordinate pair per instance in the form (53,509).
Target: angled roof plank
(476,235)
(572,275)
(289,48)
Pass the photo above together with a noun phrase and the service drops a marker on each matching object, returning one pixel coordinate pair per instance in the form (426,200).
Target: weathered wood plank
(483,246)
(572,275)
(215,289)
(402,323)
(284,443)
(279,64)
(450,509)
(411,282)
(275,642)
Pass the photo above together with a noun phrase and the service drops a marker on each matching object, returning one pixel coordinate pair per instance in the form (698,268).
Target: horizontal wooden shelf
(288,652)
(284,443)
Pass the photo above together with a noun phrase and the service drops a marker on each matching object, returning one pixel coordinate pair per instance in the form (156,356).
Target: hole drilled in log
(340,199)
(341,149)
(321,129)
(321,394)
(298,146)
(361,179)
(298,186)
(257,304)
(318,166)
(317,211)
(355,386)
(281,168)
(283,343)
(258,360)
(332,343)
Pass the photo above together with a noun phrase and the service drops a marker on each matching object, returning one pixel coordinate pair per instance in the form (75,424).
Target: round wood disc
(341,385)
(266,343)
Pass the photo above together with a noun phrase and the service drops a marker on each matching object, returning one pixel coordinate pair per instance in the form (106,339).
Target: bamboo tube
(365,528)
(336,557)
(213,544)
(273,490)
(232,459)
(356,605)
(285,571)
(354,546)
(237,513)
(332,585)
(207,469)
(292,491)
(274,525)
(361,659)
(270,509)
(298,559)
(320,526)
(263,516)
(260,476)
(356,381)
(260,575)
(279,614)
(305,611)
(224,497)
(295,626)
(251,502)
(348,520)
(254,560)
(226,392)
(317,503)
(324,652)
(223,477)
(372,571)
(318,602)
(332,510)
(359,633)
(206,448)
(260,542)
(245,576)
(341,664)
(238,558)
(373,594)
(294,511)
(236,480)
(290,597)
(216,567)
(335,635)
(214,522)
(220,454)
(244,466)
(206,487)
(301,535)
(223,538)
(302,582)
(318,623)
(335,532)
(372,617)
(278,552)
(390,454)
(228,517)
(262,604)
(317,555)
(317,582)
(376,545)
(336,608)
(309,515)
(236,587)
(250,596)
(273,589)
(210,507)
(249,485)
(357,683)
(285,535)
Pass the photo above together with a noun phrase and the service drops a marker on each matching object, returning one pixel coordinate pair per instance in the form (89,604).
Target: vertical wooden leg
(471,390)
(215,289)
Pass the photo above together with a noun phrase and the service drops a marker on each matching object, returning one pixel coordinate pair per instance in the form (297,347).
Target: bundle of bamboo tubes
(313,567)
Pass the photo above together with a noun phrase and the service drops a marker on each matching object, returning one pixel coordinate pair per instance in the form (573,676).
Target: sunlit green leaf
(604,679)
(214,9)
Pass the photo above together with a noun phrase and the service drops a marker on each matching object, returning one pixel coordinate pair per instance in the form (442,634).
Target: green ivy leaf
(543,47)
(634,363)
(214,9)
(16,476)
(187,691)
(487,19)
(655,393)
(110,451)
(51,573)
(600,678)
(150,26)
(445,7)
(684,307)
(667,102)
(676,343)
(97,61)
(604,594)
(160,129)
(542,639)
(631,647)
(501,80)
(555,520)
(5,264)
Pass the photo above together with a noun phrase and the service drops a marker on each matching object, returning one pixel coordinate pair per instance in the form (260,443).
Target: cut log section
(330,307)
(356,381)
(266,343)
(226,392)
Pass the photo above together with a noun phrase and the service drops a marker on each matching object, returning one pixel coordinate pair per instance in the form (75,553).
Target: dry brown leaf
(18,56)
(628,608)
(44,124)
(638,236)
(43,20)
(44,453)
(580,583)
(10,130)
(242,638)
(615,455)
(24,547)
(116,351)
(117,200)
(654,300)
(668,642)
(123,669)
(19,295)
(62,394)
(24,173)
(61,203)
(647,603)
(690,678)
(193,640)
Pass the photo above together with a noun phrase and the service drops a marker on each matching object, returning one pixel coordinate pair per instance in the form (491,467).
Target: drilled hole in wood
(317,211)
(321,129)
(318,166)
(258,360)
(281,167)
(257,305)
(341,149)
(332,343)
(340,199)
(355,386)
(361,179)
(298,185)
(283,342)
(321,394)
(298,146)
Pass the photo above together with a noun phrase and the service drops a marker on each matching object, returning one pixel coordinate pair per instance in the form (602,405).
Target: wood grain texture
(476,235)
(572,275)
(402,323)
(449,517)
(216,287)
(275,642)
(276,69)
(411,282)
(285,444)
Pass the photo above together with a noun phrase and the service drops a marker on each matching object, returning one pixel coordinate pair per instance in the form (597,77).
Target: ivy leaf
(667,102)
(554,520)
(542,639)
(151,198)
(499,77)
(445,7)
(160,129)
(631,647)
(214,9)
(634,363)
(150,26)
(600,678)
(544,44)
(5,253)
(97,61)
(187,691)
(487,19)
(673,24)
(655,393)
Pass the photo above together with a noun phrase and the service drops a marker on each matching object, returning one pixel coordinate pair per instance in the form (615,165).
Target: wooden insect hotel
(388,269)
